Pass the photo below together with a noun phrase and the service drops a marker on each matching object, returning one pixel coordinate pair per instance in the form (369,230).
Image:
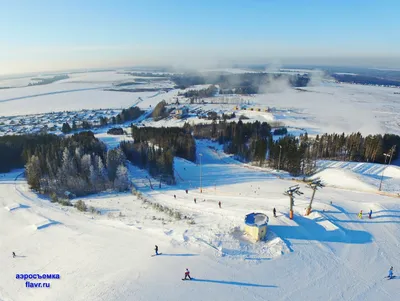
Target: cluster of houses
(50,122)
(237,108)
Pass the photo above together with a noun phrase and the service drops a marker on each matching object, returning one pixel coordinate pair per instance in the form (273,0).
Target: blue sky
(52,35)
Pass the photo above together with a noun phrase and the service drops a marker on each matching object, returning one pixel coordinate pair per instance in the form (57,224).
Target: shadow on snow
(233,283)
(183,255)
(309,230)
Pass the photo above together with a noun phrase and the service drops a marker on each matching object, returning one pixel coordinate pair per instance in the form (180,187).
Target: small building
(181,112)
(256,225)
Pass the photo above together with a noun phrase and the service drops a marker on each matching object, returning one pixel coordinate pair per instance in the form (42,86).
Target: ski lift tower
(292,192)
(314,185)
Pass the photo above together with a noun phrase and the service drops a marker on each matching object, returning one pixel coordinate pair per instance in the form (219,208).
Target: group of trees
(14,150)
(245,83)
(154,149)
(79,164)
(179,139)
(248,141)
(45,81)
(159,162)
(160,111)
(202,93)
(253,142)
(355,147)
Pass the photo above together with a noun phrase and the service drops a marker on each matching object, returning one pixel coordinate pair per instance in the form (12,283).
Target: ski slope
(359,175)
(329,255)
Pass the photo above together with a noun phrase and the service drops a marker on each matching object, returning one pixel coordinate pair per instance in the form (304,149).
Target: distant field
(321,108)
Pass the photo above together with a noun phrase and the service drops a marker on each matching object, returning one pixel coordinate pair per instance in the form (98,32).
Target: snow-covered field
(329,255)
(340,108)
(321,108)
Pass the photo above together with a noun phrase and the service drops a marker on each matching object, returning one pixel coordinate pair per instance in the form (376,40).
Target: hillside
(107,256)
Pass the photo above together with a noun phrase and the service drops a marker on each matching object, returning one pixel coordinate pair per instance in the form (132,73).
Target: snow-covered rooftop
(256,219)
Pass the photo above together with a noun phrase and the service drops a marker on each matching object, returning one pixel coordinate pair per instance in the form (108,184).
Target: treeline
(247,141)
(157,161)
(154,149)
(253,142)
(14,150)
(77,165)
(365,80)
(177,138)
(245,83)
(355,147)
(202,93)
(49,80)
(125,116)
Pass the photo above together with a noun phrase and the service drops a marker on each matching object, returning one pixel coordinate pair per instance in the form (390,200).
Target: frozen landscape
(330,254)
(323,107)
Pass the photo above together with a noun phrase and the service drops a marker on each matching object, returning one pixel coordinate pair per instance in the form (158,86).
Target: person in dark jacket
(156,249)
(274,212)
(187,275)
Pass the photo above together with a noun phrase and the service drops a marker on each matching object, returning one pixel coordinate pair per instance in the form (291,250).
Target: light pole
(279,162)
(201,190)
(390,160)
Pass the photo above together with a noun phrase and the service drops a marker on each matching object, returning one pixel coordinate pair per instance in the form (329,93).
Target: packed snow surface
(328,255)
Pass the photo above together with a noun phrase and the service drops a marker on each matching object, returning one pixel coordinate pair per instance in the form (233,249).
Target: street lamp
(201,155)
(279,161)
(386,156)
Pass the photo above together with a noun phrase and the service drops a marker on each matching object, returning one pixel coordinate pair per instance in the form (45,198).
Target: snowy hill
(107,256)
(360,176)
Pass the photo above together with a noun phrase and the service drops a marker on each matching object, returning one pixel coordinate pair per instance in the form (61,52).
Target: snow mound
(392,172)
(364,168)
(44,224)
(346,179)
(12,207)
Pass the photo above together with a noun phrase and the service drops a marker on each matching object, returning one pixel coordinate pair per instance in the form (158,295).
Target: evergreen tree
(66,128)
(33,172)
(121,182)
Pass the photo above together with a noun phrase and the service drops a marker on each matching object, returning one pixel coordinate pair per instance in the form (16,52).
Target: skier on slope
(390,276)
(13,254)
(370,213)
(360,214)
(274,211)
(187,274)
(156,249)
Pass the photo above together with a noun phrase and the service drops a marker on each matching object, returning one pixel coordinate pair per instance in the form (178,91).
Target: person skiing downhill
(156,249)
(274,212)
(360,214)
(370,214)
(13,254)
(390,276)
(187,275)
